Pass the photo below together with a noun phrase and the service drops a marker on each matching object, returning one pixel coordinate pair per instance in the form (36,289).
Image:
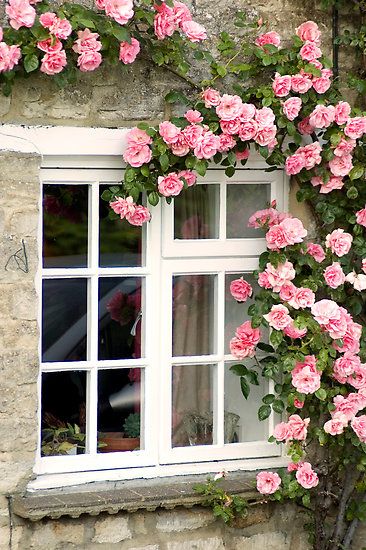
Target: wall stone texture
(108,98)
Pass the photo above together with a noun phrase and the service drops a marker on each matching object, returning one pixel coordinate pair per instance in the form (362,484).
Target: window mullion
(220,374)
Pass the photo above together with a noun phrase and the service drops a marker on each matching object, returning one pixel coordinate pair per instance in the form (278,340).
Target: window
(136,324)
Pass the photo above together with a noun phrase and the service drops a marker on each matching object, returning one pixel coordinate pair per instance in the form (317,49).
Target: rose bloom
(339,242)
(361,216)
(264,117)
(338,326)
(298,404)
(282,432)
(240,289)
(298,427)
(268,216)
(87,41)
(333,183)
(300,83)
(293,466)
(321,84)
(363,264)
(230,127)
(268,482)
(140,215)
(305,127)
(164,23)
(248,130)
(138,137)
(341,166)
(89,61)
(342,112)
(136,156)
(291,107)
(191,134)
(280,275)
(322,116)
(53,63)
(311,154)
(194,31)
(242,155)
(128,52)
(358,425)
(170,185)
(211,97)
(324,311)
(121,206)
(306,476)
(230,107)
(248,112)
(207,145)
(120,10)
(294,230)
(358,378)
(268,38)
(263,280)
(181,13)
(245,341)
(294,164)
(305,376)
(358,281)
(278,317)
(226,142)
(346,406)
(334,276)
(308,32)
(9,57)
(189,176)
(316,251)
(169,132)
(287,291)
(310,51)
(351,338)
(304,297)
(344,147)
(61,28)
(49,45)
(344,366)
(180,148)
(355,127)
(336,425)
(265,136)
(293,332)
(20,13)
(281,85)
(240,349)
(193,116)
(276,238)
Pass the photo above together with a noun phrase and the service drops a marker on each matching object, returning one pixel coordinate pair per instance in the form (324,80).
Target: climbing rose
(170,185)
(138,137)
(341,166)
(325,311)
(294,164)
(358,425)
(193,116)
(278,317)
(322,116)
(268,482)
(281,85)
(169,132)
(355,127)
(189,176)
(293,332)
(308,31)
(89,60)
(305,376)
(86,41)
(298,427)
(303,298)
(9,57)
(310,52)
(292,107)
(344,147)
(316,251)
(120,10)
(245,340)
(207,145)
(339,242)
(194,31)
(300,83)
(122,206)
(53,62)
(128,52)
(240,289)
(358,281)
(139,216)
(137,155)
(268,38)
(342,112)
(321,84)
(361,216)
(211,97)
(230,107)
(61,28)
(280,275)
(20,13)
(334,276)
(306,476)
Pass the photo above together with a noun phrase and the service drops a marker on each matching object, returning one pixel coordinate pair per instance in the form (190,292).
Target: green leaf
(253,377)
(264,411)
(230,171)
(356,172)
(321,394)
(30,63)
(239,369)
(122,34)
(106,195)
(87,23)
(278,406)
(244,386)
(221,70)
(153,198)
(145,171)
(352,192)
(268,399)
(276,338)
(164,162)
(201,167)
(175,97)
(265,347)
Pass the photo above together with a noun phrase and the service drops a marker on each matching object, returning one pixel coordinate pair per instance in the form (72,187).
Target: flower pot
(114,442)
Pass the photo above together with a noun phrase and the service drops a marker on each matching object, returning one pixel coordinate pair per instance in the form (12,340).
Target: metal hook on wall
(21,259)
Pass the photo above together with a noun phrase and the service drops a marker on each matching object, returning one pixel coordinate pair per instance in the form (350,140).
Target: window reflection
(196,213)
(242,200)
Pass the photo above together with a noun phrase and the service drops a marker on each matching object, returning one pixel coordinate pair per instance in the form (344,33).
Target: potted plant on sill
(62,440)
(128,440)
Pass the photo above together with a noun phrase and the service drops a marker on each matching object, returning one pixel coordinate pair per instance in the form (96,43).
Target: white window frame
(100,150)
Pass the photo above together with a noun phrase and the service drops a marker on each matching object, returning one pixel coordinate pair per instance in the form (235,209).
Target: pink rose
(321,84)
(47,19)
(136,156)
(358,378)
(305,127)
(294,164)
(308,32)
(345,406)
(322,116)
(281,85)
(61,28)
(86,41)
(181,13)
(123,206)
(297,403)
(282,432)
(20,13)
(358,425)
(344,147)
(194,31)
(361,216)
(316,251)
(278,317)
(193,116)
(325,311)
(245,341)
(53,62)
(293,332)
(128,52)
(280,275)
(169,132)
(211,97)
(276,238)
(306,476)
(140,215)
(358,281)
(339,242)
(89,61)
(336,425)
(191,134)
(304,297)
(207,145)
(9,57)
(189,176)
(293,466)
(298,427)
(291,107)
(333,183)
(268,482)
(261,218)
(287,291)
(263,280)
(337,327)
(242,155)
(50,45)
(355,127)
(226,142)
(265,136)
(310,51)
(341,166)
(230,127)
(230,107)
(342,112)
(240,289)
(248,112)
(305,376)
(268,38)
(334,276)
(138,137)
(264,117)
(165,23)
(294,230)
(300,84)
(180,148)
(120,10)
(345,366)
(170,185)
(311,154)
(248,130)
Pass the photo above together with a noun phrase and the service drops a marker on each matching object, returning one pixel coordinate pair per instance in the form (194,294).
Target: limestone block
(24,223)
(25,303)
(49,534)
(213,543)
(269,541)
(181,520)
(111,529)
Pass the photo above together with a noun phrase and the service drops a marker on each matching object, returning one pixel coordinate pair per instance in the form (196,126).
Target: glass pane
(65,225)
(119,410)
(120,318)
(242,200)
(63,413)
(196,213)
(120,243)
(64,319)
(192,414)
(236,313)
(241,415)
(194,314)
